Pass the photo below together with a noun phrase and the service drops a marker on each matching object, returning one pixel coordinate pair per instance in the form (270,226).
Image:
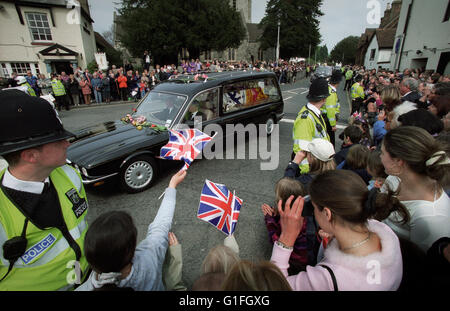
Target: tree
(321,54)
(165,27)
(345,50)
(299,26)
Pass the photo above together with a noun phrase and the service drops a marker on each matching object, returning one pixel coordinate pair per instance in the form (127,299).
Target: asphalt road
(253,185)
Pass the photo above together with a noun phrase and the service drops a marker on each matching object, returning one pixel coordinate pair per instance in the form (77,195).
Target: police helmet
(336,77)
(21,80)
(27,121)
(318,90)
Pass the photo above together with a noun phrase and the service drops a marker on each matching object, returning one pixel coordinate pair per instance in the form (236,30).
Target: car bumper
(92,180)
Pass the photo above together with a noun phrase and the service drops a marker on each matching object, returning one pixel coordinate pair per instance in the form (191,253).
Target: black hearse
(121,149)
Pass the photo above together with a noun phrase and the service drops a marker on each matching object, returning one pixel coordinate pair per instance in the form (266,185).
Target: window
(39,27)
(372,54)
(234,4)
(204,105)
(20,68)
(5,71)
(244,94)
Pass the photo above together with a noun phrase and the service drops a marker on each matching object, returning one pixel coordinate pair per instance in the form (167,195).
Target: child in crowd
(306,245)
(110,248)
(356,161)
(363,124)
(216,265)
(351,135)
(375,168)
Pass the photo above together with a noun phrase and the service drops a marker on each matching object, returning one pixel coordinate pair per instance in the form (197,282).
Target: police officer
(309,123)
(357,94)
(330,111)
(348,79)
(60,93)
(43,201)
(25,86)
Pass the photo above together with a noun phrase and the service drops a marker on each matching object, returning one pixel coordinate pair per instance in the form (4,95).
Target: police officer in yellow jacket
(43,201)
(22,82)
(330,111)
(59,91)
(357,94)
(309,123)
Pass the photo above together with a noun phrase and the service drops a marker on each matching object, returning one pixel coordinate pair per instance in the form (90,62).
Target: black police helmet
(27,121)
(336,77)
(318,90)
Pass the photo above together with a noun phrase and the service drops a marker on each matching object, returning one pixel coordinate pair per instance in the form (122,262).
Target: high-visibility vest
(349,74)
(48,262)
(308,126)
(30,90)
(357,91)
(58,88)
(331,106)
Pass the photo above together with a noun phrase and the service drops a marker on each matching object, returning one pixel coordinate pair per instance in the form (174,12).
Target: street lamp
(278,41)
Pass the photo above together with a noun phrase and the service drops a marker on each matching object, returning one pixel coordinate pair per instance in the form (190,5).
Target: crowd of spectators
(124,83)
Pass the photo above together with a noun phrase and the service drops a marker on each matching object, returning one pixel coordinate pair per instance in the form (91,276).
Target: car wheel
(269,125)
(138,174)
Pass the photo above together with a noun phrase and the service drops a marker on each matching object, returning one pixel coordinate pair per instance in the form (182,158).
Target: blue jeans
(98,96)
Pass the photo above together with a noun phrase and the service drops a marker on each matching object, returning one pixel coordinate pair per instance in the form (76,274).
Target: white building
(422,39)
(45,36)
(378,53)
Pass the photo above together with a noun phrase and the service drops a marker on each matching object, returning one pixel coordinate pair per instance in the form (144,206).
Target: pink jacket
(379,271)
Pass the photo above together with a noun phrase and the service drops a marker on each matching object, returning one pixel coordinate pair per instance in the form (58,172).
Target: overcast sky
(342,18)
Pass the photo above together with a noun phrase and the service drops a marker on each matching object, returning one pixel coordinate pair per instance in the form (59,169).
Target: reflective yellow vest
(357,91)
(331,106)
(58,88)
(349,74)
(308,126)
(48,262)
(30,90)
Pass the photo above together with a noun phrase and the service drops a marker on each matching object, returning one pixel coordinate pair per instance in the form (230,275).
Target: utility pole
(309,54)
(278,41)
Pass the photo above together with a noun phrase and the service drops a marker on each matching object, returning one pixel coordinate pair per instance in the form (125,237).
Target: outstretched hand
(267,210)
(291,220)
(177,178)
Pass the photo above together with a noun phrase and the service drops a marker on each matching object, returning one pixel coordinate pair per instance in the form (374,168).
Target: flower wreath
(140,122)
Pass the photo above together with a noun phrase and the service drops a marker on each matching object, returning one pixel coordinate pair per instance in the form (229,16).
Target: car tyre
(138,174)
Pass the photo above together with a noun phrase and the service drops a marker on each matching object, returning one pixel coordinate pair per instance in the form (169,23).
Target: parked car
(118,149)
(322,72)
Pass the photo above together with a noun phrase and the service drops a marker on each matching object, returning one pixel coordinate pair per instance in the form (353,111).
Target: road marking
(288,98)
(339,126)
(305,92)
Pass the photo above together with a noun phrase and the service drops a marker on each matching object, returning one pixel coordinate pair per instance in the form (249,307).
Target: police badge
(79,204)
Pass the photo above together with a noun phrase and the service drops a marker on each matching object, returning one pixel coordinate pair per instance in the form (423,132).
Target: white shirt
(429,220)
(12,182)
(314,109)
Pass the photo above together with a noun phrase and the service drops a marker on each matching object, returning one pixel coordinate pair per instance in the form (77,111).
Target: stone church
(249,50)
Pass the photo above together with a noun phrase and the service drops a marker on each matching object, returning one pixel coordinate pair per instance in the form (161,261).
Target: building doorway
(62,66)
(444,63)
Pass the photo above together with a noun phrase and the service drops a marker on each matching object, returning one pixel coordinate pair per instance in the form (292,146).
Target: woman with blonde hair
(320,156)
(417,165)
(262,276)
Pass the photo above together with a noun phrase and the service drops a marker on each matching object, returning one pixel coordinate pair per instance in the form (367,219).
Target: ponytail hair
(423,154)
(345,194)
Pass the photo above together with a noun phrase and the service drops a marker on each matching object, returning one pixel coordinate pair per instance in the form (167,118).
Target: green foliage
(345,50)
(299,26)
(92,66)
(321,54)
(165,27)
(113,57)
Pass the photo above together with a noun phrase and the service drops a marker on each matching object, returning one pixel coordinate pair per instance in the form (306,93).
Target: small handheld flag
(219,207)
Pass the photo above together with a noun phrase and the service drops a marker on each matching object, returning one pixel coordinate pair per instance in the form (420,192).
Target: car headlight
(84,171)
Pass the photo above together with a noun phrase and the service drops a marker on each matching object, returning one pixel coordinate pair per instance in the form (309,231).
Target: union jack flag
(184,145)
(219,206)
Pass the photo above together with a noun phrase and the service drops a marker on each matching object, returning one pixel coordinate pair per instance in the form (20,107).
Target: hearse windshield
(160,108)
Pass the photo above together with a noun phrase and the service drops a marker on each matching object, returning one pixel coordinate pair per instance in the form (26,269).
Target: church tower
(244,7)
